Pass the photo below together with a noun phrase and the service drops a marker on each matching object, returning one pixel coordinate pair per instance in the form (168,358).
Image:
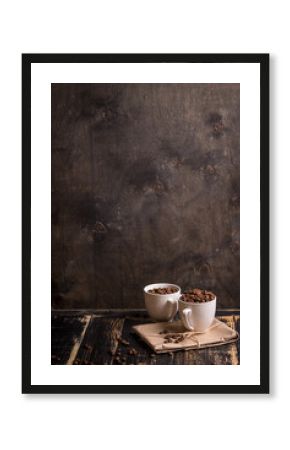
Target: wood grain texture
(66,335)
(145,188)
(109,339)
(101,341)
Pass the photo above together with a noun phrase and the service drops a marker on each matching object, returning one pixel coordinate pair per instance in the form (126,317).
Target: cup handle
(173,308)
(185,317)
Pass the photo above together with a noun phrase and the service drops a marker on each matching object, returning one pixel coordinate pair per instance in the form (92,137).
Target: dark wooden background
(145,188)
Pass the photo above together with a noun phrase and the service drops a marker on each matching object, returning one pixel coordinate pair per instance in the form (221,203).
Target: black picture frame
(263,60)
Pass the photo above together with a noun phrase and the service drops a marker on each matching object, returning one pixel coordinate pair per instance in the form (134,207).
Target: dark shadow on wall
(145,188)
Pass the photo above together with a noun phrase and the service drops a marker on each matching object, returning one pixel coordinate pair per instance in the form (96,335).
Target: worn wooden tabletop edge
(235,311)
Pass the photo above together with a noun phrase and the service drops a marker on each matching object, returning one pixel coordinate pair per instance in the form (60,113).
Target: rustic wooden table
(106,337)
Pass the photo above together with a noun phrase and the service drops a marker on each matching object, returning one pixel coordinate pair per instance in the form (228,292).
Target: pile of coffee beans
(163,291)
(174,338)
(197,296)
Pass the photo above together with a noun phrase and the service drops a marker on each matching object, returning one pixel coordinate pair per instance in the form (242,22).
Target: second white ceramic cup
(197,316)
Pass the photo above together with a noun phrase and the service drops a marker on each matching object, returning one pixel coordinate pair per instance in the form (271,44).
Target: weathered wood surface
(145,187)
(106,337)
(66,335)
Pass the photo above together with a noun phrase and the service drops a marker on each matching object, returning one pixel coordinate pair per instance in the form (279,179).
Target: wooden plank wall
(145,188)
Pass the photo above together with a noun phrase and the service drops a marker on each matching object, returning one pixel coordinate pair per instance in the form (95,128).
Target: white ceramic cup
(161,307)
(197,316)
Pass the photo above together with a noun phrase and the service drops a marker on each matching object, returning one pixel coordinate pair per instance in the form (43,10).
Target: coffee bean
(197,296)
(163,291)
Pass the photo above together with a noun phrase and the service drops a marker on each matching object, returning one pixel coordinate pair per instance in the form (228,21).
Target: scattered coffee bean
(173,338)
